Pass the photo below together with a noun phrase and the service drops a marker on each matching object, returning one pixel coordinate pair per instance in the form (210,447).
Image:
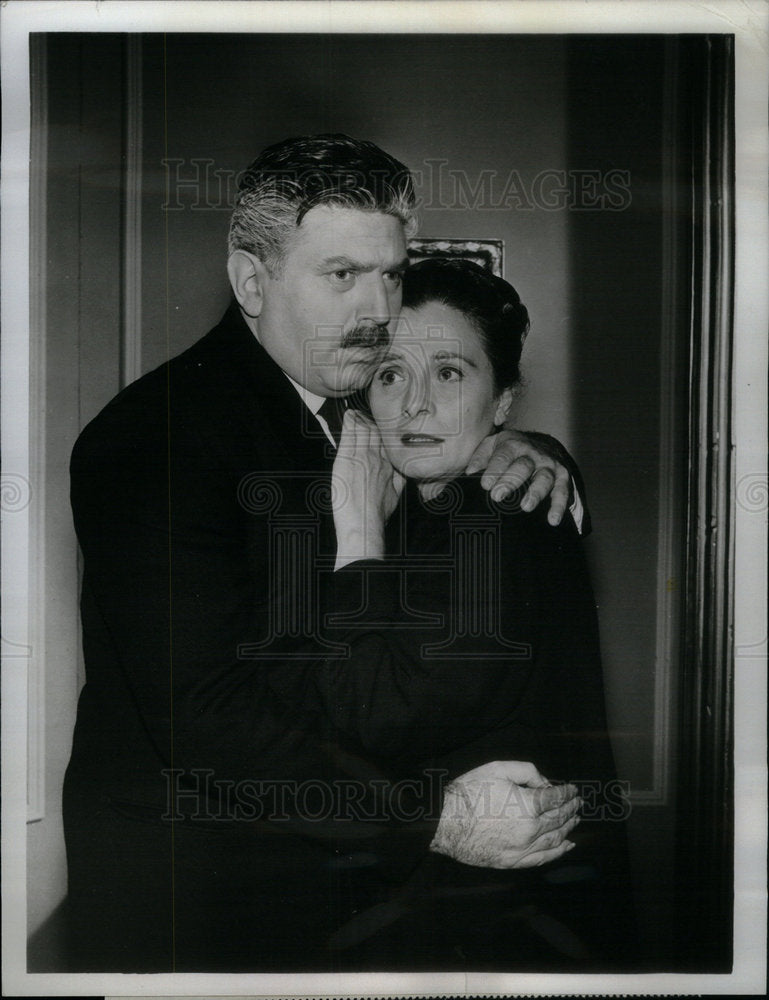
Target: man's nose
(376,305)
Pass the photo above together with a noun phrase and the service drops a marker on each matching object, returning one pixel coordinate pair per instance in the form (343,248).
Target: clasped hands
(506,815)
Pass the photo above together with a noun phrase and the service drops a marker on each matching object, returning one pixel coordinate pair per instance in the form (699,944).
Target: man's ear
(503,406)
(248,276)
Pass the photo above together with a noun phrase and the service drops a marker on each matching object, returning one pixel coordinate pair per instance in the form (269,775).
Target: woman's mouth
(415,440)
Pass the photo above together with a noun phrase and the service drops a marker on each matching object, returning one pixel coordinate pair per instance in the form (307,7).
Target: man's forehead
(333,230)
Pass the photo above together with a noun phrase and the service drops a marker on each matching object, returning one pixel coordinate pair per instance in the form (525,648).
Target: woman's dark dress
(517,620)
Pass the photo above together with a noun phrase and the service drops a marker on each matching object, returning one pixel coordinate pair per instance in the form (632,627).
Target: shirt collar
(311,400)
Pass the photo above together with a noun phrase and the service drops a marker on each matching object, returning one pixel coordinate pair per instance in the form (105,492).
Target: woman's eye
(448,374)
(394,278)
(389,376)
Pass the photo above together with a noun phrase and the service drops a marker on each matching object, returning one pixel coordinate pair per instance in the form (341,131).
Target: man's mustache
(367,335)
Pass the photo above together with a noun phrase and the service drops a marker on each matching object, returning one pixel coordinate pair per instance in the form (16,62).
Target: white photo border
(748,22)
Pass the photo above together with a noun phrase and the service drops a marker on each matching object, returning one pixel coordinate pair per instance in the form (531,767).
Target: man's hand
(506,815)
(510,459)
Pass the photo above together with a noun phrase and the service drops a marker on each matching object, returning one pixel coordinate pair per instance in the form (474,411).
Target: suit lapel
(254,410)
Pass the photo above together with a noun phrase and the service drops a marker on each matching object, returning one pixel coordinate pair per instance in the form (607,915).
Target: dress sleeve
(558,722)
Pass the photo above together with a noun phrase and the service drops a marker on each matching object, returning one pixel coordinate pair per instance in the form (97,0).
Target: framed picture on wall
(488,253)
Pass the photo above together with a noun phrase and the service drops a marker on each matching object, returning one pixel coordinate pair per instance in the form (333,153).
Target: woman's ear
(248,276)
(503,406)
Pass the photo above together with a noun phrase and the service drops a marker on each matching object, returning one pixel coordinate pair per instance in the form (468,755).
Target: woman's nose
(417,400)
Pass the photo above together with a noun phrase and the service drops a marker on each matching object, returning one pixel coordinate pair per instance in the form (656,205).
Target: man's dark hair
(490,303)
(288,179)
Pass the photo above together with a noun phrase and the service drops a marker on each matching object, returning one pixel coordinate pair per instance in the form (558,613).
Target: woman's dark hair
(490,303)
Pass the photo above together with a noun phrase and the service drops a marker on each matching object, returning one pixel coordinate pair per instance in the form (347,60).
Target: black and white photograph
(384,498)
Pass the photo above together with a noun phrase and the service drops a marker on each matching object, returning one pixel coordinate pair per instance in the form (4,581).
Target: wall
(628,385)
(81,344)
(616,328)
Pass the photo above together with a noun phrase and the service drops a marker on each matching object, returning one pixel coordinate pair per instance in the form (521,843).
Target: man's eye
(389,376)
(449,374)
(343,278)
(394,277)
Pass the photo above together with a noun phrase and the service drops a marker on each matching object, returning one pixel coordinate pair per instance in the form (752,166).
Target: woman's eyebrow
(453,356)
(438,356)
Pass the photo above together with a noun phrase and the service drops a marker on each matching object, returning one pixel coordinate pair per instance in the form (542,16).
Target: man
(195,838)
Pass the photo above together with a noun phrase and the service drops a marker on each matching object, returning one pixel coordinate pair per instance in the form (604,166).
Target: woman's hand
(365,489)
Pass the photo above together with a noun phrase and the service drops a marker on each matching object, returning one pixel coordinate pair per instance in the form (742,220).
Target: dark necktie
(332,411)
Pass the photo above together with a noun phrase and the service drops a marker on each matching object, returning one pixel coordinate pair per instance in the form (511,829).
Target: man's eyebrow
(343,263)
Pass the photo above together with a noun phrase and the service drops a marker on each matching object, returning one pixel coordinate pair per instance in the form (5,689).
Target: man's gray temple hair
(288,179)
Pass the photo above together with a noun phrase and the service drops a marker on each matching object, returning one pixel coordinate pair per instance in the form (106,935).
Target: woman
(498,605)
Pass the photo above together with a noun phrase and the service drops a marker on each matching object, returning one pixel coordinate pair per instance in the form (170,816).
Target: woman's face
(433,395)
